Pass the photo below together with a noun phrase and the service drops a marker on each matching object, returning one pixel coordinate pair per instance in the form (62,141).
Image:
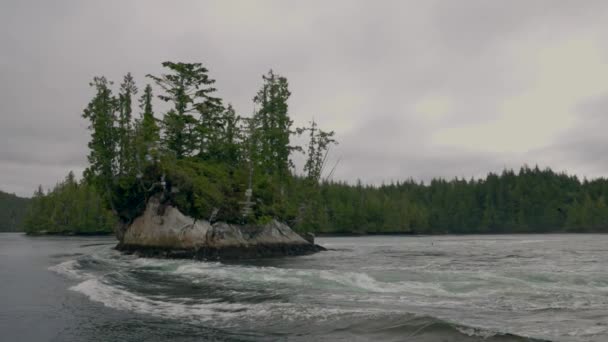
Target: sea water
(391,288)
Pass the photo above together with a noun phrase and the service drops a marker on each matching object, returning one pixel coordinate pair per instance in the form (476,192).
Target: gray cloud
(412,88)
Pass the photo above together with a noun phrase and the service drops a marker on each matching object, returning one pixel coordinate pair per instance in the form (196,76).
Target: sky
(413,89)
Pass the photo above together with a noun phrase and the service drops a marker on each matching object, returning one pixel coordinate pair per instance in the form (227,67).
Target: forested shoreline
(530,200)
(12,212)
(70,208)
(201,156)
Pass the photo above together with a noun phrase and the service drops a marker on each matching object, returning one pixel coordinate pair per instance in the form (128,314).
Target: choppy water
(448,288)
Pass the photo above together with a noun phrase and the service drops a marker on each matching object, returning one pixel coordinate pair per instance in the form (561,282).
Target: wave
(365,323)
(70,269)
(117,298)
(223,295)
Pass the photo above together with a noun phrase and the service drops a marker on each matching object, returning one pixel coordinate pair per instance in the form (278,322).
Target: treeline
(528,201)
(71,207)
(12,212)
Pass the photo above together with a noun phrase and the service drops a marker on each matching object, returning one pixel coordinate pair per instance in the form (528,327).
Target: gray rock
(162,230)
(310,237)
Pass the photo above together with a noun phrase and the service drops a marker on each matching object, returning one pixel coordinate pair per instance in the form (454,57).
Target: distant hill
(12,212)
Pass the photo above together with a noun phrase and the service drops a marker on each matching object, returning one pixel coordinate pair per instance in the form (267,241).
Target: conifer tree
(189,88)
(273,125)
(318,148)
(147,115)
(147,131)
(230,139)
(125,143)
(101,113)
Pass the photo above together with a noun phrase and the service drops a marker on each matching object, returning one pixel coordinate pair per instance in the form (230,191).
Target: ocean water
(388,288)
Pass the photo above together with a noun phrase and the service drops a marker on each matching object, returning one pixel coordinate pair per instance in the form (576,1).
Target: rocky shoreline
(163,231)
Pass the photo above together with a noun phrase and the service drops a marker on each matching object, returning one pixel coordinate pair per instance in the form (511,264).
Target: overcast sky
(412,88)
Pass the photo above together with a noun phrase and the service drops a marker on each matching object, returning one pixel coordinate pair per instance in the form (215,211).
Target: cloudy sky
(412,88)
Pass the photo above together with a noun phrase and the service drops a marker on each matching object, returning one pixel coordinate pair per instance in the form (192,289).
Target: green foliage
(70,208)
(147,133)
(199,188)
(124,131)
(192,122)
(12,212)
(318,148)
(272,126)
(104,149)
(531,201)
(224,138)
(150,131)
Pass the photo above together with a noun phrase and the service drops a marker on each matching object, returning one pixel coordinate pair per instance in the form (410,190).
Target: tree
(318,149)
(229,145)
(188,87)
(147,131)
(70,208)
(101,113)
(273,126)
(124,137)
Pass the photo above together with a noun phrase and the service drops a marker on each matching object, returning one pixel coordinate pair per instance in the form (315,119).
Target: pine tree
(189,88)
(125,138)
(147,131)
(231,140)
(101,113)
(273,125)
(318,149)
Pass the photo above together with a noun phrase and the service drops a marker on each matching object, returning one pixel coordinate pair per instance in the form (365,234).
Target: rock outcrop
(163,231)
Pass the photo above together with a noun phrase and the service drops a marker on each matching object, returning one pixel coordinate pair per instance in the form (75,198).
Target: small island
(201,181)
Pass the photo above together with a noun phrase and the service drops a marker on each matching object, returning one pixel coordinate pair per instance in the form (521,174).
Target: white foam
(357,280)
(220,313)
(70,269)
(241,273)
(120,299)
(474,332)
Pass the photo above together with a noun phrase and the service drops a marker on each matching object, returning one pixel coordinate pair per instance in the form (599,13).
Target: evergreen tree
(188,87)
(70,208)
(125,138)
(273,126)
(318,148)
(12,212)
(230,141)
(147,131)
(103,147)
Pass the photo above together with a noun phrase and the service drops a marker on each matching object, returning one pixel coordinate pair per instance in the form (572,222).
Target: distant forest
(70,208)
(12,212)
(528,201)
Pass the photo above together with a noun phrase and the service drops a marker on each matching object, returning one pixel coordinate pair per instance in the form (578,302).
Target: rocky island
(197,181)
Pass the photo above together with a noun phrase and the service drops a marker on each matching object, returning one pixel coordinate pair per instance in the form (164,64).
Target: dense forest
(214,164)
(528,201)
(12,212)
(69,208)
